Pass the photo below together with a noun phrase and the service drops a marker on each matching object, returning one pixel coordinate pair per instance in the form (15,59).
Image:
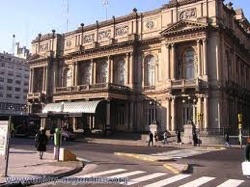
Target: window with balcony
(188,64)
(38,79)
(67,75)
(101,72)
(119,72)
(85,73)
(150,70)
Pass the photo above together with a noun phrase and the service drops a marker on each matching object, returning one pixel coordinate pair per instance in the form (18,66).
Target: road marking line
(127,174)
(198,182)
(103,173)
(168,180)
(145,178)
(231,183)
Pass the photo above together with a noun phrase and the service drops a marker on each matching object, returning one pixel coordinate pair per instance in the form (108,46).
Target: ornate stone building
(188,60)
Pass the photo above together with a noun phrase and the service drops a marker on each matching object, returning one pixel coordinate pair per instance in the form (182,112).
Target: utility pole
(105,3)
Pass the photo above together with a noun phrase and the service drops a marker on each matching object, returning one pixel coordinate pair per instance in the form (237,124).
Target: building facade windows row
(183,58)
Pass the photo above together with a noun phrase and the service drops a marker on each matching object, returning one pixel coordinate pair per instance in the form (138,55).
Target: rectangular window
(1,79)
(9,80)
(9,88)
(17,89)
(18,82)
(8,95)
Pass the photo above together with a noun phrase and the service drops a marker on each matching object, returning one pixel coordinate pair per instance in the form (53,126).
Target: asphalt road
(213,168)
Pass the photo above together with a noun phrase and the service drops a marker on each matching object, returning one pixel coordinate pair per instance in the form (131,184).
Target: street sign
(3,137)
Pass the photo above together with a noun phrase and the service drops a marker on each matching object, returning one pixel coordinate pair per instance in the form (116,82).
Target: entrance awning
(72,107)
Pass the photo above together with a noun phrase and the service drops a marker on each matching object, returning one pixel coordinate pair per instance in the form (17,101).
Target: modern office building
(187,60)
(14,82)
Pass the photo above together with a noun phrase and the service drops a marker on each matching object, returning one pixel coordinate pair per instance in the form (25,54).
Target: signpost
(4,142)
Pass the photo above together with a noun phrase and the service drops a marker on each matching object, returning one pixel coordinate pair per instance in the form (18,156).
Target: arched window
(85,73)
(67,77)
(188,63)
(150,70)
(119,68)
(101,72)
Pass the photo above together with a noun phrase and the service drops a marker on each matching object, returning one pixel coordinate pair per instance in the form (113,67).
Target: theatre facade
(187,60)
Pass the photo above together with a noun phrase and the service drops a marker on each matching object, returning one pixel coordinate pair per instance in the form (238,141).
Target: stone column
(73,74)
(127,71)
(168,120)
(199,58)
(131,69)
(131,118)
(46,79)
(93,72)
(173,61)
(199,109)
(109,69)
(205,56)
(168,62)
(76,73)
(31,80)
(108,126)
(143,73)
(172,114)
(205,112)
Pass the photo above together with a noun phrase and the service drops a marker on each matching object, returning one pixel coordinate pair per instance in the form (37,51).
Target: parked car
(66,135)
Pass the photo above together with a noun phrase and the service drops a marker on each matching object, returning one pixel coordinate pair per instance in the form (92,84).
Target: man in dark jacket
(151,136)
(41,142)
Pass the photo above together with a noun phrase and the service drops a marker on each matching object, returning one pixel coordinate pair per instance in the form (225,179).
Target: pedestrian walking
(155,137)
(150,139)
(41,142)
(195,139)
(179,137)
(165,138)
(227,144)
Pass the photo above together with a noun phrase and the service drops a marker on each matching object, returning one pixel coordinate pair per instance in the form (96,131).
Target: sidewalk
(26,167)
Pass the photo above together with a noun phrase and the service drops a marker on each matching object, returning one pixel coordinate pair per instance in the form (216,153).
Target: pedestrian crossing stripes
(162,179)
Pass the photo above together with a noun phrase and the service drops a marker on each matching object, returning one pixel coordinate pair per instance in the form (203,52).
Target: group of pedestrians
(155,137)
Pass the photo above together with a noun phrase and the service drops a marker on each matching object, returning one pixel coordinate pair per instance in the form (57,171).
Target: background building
(14,83)
(188,60)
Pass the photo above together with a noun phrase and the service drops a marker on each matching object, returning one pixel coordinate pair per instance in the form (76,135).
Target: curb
(142,157)
(169,166)
(175,170)
(39,180)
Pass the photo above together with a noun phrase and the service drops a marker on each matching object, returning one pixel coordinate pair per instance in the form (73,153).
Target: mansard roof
(183,26)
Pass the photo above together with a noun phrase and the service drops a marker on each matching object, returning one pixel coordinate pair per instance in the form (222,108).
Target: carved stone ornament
(188,14)
(150,24)
(121,31)
(44,47)
(68,43)
(104,34)
(89,38)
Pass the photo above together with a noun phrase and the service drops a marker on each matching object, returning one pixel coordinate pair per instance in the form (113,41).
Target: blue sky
(27,18)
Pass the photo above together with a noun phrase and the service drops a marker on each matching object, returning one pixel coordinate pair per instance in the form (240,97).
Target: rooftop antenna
(13,44)
(105,3)
(67,16)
